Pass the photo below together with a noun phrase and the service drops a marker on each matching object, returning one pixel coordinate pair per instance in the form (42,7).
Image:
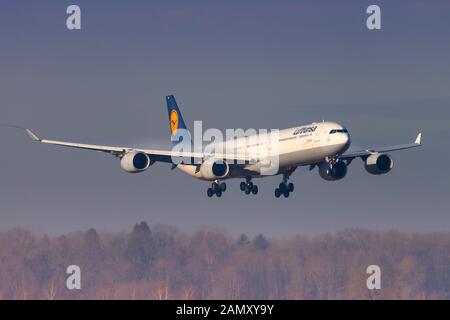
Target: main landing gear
(248,187)
(284,188)
(217,188)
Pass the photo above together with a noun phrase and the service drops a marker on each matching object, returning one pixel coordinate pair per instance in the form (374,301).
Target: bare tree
(164,263)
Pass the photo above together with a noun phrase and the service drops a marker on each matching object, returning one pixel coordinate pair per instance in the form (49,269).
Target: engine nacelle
(213,169)
(332,173)
(134,162)
(379,163)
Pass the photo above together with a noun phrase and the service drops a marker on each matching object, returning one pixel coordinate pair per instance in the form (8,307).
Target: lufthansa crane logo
(173,121)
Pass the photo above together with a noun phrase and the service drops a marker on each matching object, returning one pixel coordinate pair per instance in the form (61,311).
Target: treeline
(164,263)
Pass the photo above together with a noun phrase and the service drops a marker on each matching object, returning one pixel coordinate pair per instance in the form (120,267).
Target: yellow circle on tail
(173,121)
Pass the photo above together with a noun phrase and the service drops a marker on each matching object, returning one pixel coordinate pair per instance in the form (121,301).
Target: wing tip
(32,135)
(418,139)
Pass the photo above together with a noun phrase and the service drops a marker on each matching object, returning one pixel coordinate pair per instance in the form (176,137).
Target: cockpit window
(343,130)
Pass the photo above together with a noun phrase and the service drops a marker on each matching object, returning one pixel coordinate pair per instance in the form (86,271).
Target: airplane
(322,145)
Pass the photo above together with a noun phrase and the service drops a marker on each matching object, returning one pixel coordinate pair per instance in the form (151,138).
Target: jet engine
(379,163)
(333,172)
(213,169)
(133,162)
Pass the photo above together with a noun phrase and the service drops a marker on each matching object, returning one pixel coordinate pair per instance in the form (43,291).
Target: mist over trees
(160,262)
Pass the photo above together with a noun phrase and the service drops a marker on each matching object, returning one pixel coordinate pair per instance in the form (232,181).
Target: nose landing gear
(217,188)
(248,187)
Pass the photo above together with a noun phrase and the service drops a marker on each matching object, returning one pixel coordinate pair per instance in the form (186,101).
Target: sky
(232,64)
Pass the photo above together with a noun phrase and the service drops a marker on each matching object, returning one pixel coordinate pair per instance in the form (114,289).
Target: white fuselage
(298,146)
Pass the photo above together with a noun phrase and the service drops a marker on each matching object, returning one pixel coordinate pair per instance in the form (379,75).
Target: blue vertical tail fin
(176,121)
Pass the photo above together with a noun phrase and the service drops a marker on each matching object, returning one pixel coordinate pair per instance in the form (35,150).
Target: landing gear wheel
(248,187)
(285,187)
(290,187)
(217,188)
(277,193)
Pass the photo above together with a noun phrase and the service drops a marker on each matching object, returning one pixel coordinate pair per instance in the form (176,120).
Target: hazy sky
(233,64)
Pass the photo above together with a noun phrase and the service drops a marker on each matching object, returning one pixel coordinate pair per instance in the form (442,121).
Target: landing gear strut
(331,161)
(217,188)
(285,188)
(248,187)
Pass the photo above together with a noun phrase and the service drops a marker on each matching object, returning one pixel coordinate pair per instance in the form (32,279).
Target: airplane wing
(363,153)
(155,155)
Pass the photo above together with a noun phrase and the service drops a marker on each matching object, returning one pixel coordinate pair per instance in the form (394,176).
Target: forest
(162,262)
